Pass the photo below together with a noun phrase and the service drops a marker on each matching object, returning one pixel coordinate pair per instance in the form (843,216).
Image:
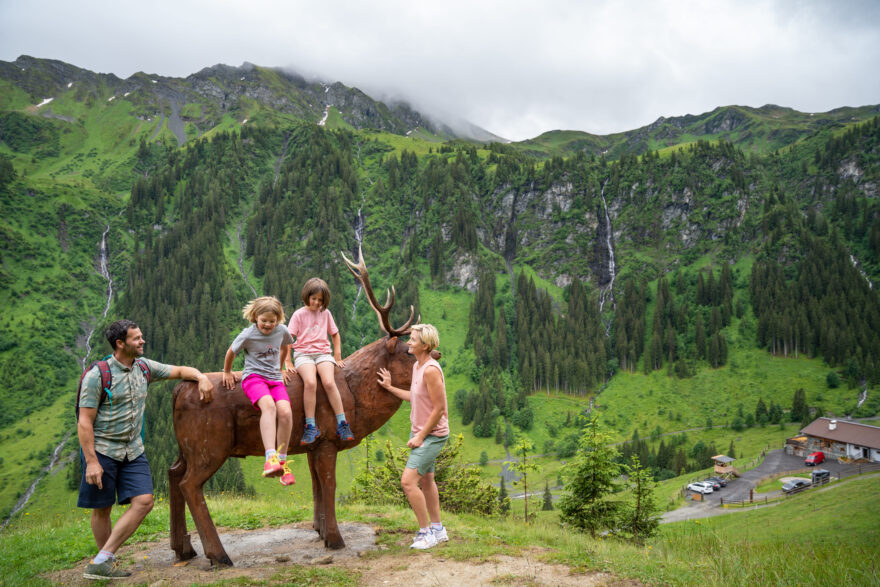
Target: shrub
(461,488)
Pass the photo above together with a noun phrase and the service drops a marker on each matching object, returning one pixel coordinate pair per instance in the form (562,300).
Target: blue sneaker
(343,431)
(309,436)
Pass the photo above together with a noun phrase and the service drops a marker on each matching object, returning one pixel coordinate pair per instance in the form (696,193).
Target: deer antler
(359,270)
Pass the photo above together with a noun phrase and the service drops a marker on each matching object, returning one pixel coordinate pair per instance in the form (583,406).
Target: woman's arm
(385,383)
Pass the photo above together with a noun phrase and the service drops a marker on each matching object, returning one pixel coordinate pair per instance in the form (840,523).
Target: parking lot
(738,488)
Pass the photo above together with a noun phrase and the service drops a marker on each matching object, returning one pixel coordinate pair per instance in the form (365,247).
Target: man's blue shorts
(122,480)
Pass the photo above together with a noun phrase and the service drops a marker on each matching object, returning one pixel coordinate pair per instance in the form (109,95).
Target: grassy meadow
(818,537)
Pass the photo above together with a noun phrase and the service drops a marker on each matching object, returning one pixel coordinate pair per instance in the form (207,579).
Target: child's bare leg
(310,384)
(267,421)
(285,425)
(327,371)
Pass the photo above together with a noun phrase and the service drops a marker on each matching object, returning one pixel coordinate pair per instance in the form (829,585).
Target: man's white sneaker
(440,535)
(424,541)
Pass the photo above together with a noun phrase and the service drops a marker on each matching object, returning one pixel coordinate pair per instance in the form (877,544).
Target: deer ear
(435,354)
(391,345)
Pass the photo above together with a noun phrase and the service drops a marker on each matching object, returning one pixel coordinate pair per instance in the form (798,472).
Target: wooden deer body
(228,426)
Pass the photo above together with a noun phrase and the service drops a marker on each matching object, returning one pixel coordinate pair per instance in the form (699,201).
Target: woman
(428,434)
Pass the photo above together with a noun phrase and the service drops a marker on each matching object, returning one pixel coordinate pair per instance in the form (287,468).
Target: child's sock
(310,422)
(282,457)
(436,526)
(102,556)
(269,453)
(340,418)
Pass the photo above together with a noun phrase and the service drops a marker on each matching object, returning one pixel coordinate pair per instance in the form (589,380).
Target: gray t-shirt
(262,352)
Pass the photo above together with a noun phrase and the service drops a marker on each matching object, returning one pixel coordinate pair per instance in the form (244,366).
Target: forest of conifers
(281,203)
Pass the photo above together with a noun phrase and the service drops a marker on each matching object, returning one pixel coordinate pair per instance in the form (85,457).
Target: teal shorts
(422,458)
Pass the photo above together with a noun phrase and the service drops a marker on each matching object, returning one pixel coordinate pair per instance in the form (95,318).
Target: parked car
(720,480)
(820,476)
(716,486)
(814,458)
(700,487)
(795,484)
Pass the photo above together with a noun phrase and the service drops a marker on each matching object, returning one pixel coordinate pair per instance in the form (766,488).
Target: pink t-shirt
(311,329)
(421,401)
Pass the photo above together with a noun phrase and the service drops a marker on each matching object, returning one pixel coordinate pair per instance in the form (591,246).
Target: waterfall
(863,396)
(359,224)
(56,455)
(864,275)
(104,270)
(606,293)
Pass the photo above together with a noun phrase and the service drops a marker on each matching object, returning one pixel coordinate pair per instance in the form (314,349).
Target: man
(115,468)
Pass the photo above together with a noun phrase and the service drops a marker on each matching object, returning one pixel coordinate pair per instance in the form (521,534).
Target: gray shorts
(311,359)
(422,458)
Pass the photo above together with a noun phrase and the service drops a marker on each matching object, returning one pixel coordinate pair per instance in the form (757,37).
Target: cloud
(516,68)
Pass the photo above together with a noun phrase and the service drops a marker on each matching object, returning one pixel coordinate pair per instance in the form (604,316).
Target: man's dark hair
(119,331)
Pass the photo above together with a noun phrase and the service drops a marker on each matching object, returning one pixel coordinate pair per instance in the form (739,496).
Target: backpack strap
(145,369)
(106,383)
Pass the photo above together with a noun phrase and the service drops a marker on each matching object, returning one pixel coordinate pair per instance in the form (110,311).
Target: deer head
(359,270)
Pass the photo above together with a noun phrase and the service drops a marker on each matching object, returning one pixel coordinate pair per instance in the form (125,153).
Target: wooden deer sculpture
(228,426)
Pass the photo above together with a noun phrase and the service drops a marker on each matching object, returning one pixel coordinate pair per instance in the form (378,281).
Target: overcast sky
(514,68)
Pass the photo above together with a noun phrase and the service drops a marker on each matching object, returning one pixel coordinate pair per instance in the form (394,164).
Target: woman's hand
(384,378)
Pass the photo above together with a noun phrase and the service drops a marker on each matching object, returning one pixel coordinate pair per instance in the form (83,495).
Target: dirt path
(264,554)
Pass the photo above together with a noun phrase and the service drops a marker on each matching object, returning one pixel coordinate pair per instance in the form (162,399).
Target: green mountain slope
(663,290)
(754,130)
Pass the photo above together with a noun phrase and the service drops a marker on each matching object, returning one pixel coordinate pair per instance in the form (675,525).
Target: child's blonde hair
(313,286)
(427,334)
(263,305)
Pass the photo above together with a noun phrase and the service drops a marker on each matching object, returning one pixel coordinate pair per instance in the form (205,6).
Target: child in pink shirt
(310,326)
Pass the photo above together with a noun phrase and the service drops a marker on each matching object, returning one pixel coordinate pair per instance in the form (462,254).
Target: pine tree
(640,517)
(503,499)
(548,498)
(591,480)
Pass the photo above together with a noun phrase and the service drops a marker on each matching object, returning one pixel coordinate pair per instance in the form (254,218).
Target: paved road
(738,489)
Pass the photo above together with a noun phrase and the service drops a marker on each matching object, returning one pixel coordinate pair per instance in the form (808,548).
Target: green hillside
(754,130)
(742,271)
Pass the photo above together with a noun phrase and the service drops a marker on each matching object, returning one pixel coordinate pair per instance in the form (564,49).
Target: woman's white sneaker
(424,540)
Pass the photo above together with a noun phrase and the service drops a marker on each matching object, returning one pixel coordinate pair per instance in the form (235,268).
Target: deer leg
(191,488)
(325,470)
(317,520)
(180,542)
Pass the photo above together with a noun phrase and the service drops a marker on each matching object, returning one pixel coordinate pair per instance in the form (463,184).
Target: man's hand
(94,473)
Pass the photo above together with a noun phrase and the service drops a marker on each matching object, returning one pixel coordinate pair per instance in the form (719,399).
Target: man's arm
(86,431)
(206,388)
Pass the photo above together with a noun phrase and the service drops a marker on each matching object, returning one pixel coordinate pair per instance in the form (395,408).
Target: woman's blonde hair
(427,334)
(263,305)
(313,286)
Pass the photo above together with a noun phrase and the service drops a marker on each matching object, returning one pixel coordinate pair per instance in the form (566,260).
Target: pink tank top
(421,401)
